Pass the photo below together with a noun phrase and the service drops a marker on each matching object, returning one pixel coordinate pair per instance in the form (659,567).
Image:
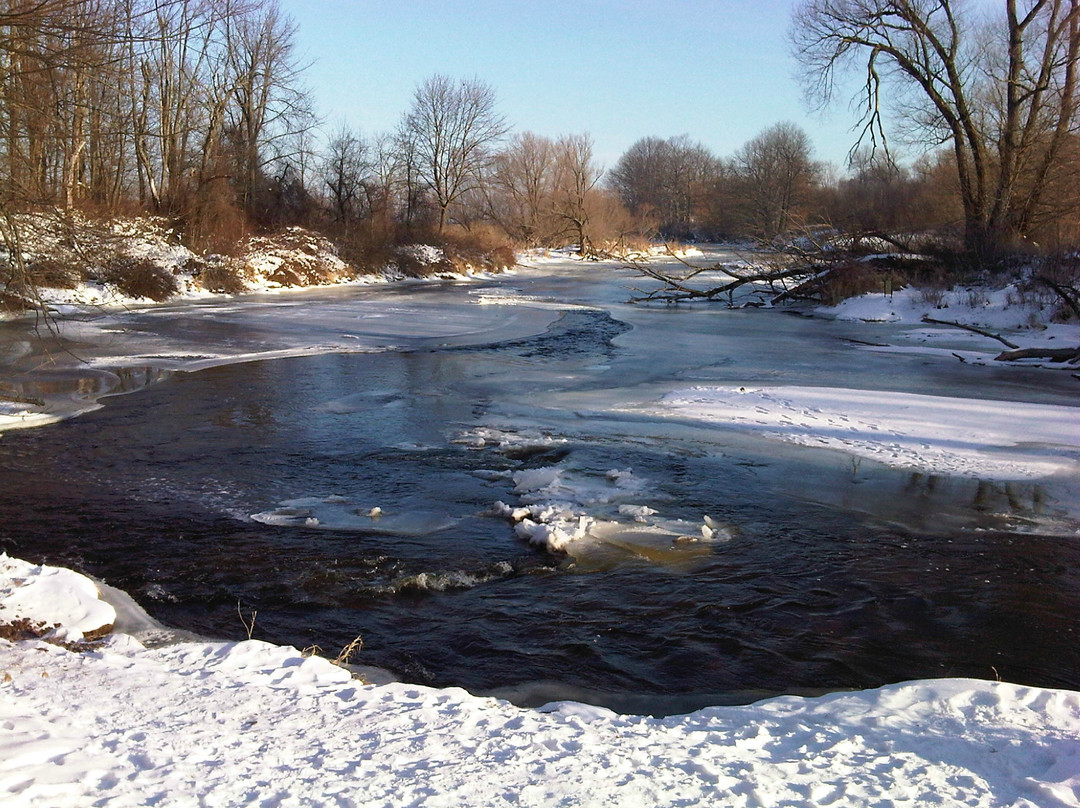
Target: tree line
(196,110)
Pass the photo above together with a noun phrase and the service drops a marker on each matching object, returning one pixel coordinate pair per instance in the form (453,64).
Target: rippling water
(372,479)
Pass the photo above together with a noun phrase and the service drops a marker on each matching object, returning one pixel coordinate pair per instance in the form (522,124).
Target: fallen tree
(812,273)
(1069,355)
(1015,352)
(973,329)
(776,276)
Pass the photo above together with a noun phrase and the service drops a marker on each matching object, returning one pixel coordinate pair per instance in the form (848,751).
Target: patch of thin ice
(15,417)
(336,512)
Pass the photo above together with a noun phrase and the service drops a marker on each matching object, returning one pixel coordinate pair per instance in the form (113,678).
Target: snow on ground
(214,724)
(989,308)
(1002,440)
(294,257)
(1010,312)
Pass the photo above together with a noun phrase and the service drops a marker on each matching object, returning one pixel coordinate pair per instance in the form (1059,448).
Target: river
(332,460)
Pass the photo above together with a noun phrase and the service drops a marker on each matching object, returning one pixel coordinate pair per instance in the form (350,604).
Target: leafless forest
(197,111)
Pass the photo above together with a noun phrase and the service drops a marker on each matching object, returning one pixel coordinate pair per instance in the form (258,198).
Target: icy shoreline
(201,723)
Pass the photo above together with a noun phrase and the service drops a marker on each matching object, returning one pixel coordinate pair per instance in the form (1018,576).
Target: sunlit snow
(998,439)
(204,723)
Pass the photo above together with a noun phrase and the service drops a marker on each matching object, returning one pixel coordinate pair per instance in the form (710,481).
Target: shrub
(14,303)
(852,279)
(211,221)
(53,274)
(221,275)
(481,248)
(138,277)
(503,258)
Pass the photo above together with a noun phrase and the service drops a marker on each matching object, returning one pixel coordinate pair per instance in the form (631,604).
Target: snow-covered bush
(294,257)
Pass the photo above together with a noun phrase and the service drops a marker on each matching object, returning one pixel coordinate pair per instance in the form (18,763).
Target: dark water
(833,575)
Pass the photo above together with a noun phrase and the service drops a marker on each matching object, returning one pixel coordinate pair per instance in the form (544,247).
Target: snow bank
(1002,440)
(248,722)
(64,603)
(1008,311)
(290,258)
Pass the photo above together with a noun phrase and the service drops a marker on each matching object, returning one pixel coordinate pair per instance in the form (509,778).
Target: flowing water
(349,487)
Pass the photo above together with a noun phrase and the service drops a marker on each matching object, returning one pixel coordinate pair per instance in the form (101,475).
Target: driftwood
(972,329)
(1052,354)
(1016,352)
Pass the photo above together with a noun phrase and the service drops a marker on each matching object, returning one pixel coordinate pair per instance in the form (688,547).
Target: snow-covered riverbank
(201,723)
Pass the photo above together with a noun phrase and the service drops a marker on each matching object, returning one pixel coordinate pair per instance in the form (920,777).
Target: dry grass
(344,657)
(23,628)
(346,654)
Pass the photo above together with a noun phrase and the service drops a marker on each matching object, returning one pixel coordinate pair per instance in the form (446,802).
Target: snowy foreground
(200,723)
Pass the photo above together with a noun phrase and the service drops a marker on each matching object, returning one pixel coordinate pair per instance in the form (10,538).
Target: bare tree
(414,204)
(775,172)
(665,182)
(452,125)
(344,171)
(178,85)
(521,188)
(1004,97)
(269,104)
(53,57)
(575,195)
(381,185)
(640,178)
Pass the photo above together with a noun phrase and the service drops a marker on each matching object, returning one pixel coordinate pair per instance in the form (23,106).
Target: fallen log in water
(1052,354)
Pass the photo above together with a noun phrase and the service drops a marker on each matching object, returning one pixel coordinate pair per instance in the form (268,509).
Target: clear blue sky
(717,70)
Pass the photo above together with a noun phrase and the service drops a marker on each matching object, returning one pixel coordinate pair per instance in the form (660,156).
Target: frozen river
(375,460)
